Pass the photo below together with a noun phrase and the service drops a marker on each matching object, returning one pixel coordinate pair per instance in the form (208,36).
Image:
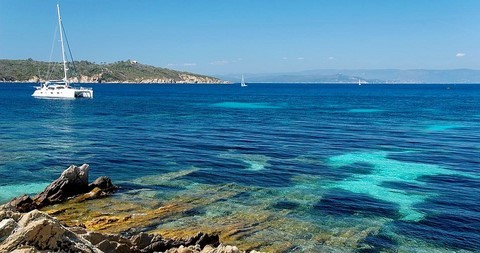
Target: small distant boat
(360,82)
(61,88)
(242,83)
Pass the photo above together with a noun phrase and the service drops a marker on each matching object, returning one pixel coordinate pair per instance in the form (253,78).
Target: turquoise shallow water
(322,167)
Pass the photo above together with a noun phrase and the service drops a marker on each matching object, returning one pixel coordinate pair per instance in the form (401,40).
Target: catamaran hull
(84,94)
(63,93)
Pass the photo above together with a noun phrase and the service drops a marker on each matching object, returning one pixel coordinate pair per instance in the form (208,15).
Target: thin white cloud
(300,58)
(284,58)
(460,54)
(331,58)
(219,63)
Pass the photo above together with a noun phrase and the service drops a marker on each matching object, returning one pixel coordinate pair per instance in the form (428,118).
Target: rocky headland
(129,71)
(23,228)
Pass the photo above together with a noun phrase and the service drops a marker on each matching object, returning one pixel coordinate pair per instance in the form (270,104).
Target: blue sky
(251,36)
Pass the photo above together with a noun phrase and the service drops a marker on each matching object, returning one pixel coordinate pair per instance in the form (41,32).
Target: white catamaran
(243,84)
(61,88)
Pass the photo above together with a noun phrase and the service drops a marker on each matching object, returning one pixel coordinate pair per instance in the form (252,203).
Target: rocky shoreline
(23,228)
(183,79)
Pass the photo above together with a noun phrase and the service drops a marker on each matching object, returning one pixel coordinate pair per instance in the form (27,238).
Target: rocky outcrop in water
(23,228)
(72,182)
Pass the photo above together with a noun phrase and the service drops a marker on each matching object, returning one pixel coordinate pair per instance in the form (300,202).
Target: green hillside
(122,72)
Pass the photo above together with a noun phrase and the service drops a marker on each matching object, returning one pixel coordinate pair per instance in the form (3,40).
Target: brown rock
(142,240)
(73,181)
(123,248)
(107,246)
(203,239)
(95,193)
(104,183)
(22,204)
(94,237)
(78,230)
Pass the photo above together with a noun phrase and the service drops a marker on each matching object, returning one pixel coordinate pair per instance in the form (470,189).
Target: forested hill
(88,72)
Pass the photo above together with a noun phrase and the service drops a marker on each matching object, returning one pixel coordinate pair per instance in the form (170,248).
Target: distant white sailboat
(61,88)
(359,82)
(243,84)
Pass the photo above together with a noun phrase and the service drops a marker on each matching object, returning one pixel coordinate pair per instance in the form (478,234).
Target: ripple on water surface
(286,168)
(365,110)
(243,105)
(254,162)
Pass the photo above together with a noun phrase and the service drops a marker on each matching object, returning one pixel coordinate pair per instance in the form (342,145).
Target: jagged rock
(72,182)
(6,227)
(39,231)
(203,239)
(22,204)
(142,240)
(107,246)
(104,183)
(158,246)
(94,237)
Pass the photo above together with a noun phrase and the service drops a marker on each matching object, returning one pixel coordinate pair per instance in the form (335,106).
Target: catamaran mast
(65,68)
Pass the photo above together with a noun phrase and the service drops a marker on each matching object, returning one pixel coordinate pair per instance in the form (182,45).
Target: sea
(274,167)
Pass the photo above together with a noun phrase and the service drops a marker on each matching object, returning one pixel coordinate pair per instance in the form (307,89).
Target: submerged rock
(72,182)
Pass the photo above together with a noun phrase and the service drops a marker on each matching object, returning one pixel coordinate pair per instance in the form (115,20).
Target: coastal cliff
(87,72)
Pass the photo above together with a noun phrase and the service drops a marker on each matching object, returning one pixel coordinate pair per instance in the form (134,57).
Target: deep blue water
(343,167)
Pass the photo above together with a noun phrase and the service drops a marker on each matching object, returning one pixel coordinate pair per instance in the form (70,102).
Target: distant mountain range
(369,76)
(133,72)
(88,72)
